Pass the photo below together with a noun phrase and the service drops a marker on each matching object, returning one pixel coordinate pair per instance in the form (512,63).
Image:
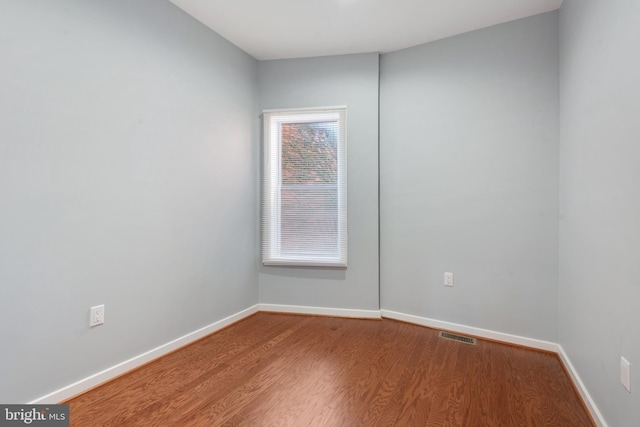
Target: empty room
(319,213)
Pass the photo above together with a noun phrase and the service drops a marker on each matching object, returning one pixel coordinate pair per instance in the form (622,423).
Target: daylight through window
(304,187)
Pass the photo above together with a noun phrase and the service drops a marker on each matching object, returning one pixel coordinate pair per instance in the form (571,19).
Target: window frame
(272,186)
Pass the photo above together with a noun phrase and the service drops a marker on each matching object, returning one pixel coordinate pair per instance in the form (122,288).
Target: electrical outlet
(96,316)
(448,279)
(625,373)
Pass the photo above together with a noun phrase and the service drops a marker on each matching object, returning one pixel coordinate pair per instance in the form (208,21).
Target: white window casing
(304,187)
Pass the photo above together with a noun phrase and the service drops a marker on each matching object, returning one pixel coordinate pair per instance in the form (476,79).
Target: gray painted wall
(127,178)
(468,178)
(350,80)
(599,289)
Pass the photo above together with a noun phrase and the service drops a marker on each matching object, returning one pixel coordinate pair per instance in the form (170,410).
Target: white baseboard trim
(470,330)
(586,397)
(119,369)
(321,311)
(512,339)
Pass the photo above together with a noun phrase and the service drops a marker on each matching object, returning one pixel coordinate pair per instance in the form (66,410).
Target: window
(304,187)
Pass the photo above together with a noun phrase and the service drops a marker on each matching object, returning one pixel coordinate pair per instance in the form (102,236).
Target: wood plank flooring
(285,370)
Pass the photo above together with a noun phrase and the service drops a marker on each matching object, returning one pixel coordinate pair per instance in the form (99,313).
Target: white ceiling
(274,29)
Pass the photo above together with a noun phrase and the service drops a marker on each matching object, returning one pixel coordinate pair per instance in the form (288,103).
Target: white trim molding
(321,311)
(586,397)
(121,368)
(511,339)
(470,330)
(128,365)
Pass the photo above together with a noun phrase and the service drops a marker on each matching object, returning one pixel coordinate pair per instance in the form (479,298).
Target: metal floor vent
(460,338)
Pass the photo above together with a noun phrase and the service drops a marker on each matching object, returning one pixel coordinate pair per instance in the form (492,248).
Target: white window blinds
(304,187)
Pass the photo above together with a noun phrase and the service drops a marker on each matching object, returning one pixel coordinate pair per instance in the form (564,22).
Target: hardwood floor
(286,370)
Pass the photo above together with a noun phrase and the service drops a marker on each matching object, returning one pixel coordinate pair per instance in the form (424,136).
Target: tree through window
(304,188)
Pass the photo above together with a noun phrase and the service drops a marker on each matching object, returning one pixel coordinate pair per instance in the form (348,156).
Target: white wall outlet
(96,316)
(625,373)
(448,279)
